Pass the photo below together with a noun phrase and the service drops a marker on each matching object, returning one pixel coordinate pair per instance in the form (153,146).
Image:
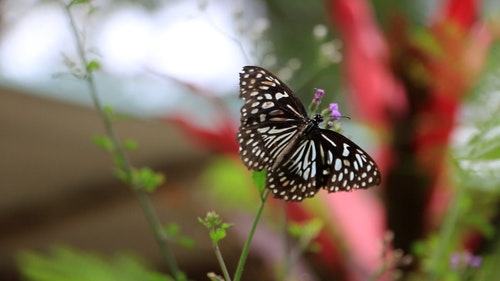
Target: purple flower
(334,111)
(474,261)
(460,260)
(455,260)
(318,95)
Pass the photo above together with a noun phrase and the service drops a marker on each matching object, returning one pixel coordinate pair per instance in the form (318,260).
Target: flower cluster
(330,115)
(461,260)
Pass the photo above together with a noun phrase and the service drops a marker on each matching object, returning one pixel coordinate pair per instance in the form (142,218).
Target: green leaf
(259,180)
(67,264)
(226,225)
(119,161)
(172,229)
(130,144)
(121,175)
(93,66)
(217,235)
(147,179)
(489,150)
(103,142)
(186,242)
(109,111)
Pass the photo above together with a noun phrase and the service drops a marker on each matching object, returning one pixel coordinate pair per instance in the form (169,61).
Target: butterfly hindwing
(349,166)
(323,159)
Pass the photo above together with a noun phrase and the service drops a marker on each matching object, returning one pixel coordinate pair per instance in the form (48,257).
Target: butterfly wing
(323,159)
(270,117)
(349,166)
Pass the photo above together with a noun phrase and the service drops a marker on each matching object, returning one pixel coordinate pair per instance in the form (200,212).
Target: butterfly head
(317,118)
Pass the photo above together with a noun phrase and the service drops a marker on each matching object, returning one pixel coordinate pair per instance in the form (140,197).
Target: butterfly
(278,136)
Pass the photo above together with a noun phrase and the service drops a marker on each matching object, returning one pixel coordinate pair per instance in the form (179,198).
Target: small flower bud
(334,111)
(318,95)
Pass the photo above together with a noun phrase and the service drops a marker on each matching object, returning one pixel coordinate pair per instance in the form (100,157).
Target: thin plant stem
(122,160)
(222,264)
(446,233)
(287,262)
(246,247)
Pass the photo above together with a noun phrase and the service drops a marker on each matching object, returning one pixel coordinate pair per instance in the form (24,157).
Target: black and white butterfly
(277,135)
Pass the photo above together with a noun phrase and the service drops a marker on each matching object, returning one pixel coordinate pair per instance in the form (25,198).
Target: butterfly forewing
(267,98)
(300,158)
(270,117)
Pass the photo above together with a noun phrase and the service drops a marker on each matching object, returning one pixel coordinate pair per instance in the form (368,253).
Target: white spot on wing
(267,104)
(338,164)
(345,152)
(281,95)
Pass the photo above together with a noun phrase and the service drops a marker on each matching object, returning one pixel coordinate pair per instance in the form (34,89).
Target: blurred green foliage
(66,264)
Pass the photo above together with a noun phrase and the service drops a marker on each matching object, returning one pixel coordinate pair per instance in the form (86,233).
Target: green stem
(446,233)
(246,247)
(223,267)
(123,162)
(287,263)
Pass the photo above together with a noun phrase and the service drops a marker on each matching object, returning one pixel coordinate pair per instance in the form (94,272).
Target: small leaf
(121,175)
(217,235)
(93,66)
(172,229)
(130,144)
(119,161)
(147,179)
(109,111)
(68,264)
(259,180)
(186,242)
(226,225)
(103,142)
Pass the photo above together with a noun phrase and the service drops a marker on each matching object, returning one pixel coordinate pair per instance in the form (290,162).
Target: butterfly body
(277,135)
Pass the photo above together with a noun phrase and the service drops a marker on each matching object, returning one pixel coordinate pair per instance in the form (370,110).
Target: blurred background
(418,79)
